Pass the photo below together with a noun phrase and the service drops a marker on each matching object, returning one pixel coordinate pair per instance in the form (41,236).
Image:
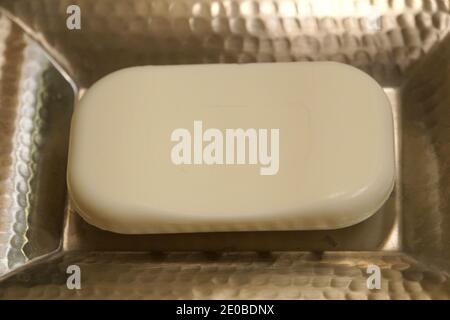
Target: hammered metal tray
(45,67)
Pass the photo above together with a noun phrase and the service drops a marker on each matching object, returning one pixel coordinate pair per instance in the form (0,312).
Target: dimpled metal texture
(403,44)
(35,108)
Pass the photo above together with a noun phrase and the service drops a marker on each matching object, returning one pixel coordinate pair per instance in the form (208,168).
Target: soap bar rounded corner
(129,84)
(384,196)
(74,199)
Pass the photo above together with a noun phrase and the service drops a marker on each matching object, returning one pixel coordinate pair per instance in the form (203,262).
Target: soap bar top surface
(277,146)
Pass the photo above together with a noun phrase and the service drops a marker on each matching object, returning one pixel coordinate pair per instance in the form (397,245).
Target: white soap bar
(285,146)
